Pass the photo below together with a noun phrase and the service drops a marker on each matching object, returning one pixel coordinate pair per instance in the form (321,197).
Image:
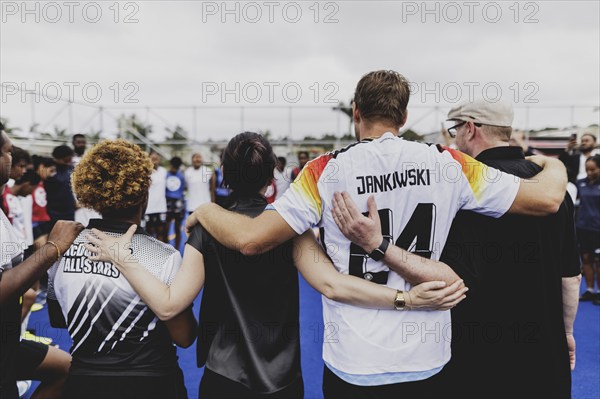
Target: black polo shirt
(508,335)
(249,328)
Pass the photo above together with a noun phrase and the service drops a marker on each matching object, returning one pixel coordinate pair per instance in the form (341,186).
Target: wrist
(408,300)
(378,253)
(374,244)
(55,252)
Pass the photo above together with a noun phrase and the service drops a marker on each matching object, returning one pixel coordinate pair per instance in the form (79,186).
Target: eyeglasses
(452,130)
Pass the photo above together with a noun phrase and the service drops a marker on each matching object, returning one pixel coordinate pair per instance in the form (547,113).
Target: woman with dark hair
(249,335)
(120,348)
(588,227)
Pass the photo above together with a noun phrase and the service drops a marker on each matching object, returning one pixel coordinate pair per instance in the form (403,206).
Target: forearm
(416,269)
(183,328)
(570,292)
(358,292)
(542,194)
(19,279)
(228,228)
(250,236)
(320,273)
(164,300)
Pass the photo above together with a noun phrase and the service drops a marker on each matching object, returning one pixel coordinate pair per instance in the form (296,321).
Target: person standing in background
(79,143)
(574,158)
(198,178)
(82,215)
(156,212)
(61,201)
(44,168)
(588,227)
(303,158)
(220,191)
(175,187)
(282,177)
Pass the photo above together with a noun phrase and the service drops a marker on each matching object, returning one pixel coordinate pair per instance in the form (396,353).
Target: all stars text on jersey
(391,181)
(76,261)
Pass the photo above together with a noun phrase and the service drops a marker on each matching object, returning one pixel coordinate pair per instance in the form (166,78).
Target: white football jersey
(198,186)
(418,190)
(157,200)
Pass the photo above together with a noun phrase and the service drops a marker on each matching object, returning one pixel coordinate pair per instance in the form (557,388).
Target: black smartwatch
(379,252)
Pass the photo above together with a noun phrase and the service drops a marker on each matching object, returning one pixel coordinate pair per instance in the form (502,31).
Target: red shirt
(39,213)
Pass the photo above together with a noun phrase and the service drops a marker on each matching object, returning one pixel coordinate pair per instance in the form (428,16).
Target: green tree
(177,134)
(130,128)
(411,135)
(346,110)
(7,128)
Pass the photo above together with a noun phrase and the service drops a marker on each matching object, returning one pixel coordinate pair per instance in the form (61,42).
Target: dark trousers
(125,387)
(214,385)
(335,387)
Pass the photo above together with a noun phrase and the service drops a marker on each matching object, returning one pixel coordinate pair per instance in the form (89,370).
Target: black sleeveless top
(249,328)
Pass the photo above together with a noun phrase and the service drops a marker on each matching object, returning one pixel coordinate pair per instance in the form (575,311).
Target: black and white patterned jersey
(114,332)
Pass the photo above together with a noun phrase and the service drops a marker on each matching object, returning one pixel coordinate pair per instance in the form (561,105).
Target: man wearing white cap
(514,334)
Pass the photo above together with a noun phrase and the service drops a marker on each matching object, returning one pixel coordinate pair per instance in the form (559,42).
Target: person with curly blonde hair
(120,347)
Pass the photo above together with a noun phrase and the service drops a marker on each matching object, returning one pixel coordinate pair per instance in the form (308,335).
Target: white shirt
(198,186)
(16,215)
(282,180)
(157,200)
(27,207)
(11,249)
(418,190)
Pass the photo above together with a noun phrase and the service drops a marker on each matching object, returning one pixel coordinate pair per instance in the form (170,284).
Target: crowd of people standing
(124,294)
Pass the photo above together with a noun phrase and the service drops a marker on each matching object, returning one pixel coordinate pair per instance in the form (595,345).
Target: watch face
(400,302)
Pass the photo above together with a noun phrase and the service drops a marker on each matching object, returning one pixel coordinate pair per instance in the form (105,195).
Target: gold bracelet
(55,246)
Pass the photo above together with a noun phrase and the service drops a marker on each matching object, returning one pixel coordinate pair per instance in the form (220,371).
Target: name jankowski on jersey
(392,181)
(77,262)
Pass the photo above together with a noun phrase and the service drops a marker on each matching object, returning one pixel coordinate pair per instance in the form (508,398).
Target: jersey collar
(113,226)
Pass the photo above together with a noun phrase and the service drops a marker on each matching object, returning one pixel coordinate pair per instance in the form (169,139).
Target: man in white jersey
(198,177)
(419,189)
(156,212)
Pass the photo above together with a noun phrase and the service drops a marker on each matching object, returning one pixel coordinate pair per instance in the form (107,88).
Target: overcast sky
(288,63)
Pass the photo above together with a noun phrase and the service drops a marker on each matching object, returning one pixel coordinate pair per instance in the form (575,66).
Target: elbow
(330,292)
(552,204)
(187,342)
(249,249)
(251,246)
(165,315)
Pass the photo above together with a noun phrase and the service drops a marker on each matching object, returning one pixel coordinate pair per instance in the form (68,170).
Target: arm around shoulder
(543,194)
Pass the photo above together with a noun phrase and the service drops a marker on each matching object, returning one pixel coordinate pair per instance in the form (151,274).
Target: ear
(355,113)
(405,119)
(472,131)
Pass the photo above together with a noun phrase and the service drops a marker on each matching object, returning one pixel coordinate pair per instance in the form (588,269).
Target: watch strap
(379,252)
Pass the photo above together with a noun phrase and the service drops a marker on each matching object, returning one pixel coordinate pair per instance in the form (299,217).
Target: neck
(481,146)
(376,130)
(133,219)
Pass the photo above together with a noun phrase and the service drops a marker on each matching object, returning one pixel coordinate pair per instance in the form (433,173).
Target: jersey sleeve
(301,204)
(171,268)
(51,276)
(485,190)
(198,238)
